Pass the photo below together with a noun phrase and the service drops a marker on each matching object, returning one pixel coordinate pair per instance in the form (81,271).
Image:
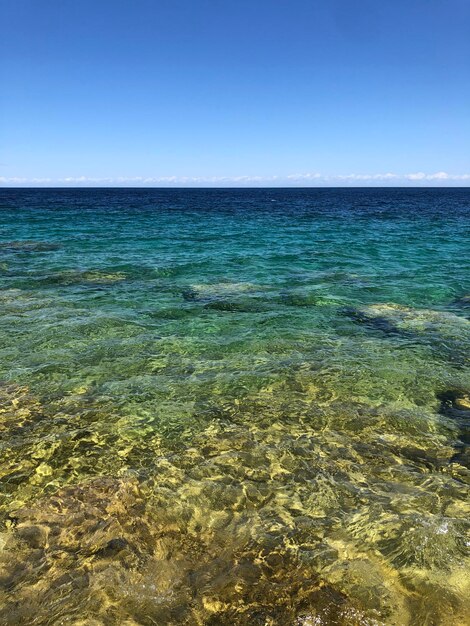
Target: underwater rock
(100,277)
(88,277)
(8,296)
(455,404)
(237,306)
(226,297)
(22,300)
(398,318)
(446,333)
(28,246)
(463,301)
(214,291)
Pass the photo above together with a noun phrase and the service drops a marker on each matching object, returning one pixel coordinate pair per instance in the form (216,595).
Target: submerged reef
(463,302)
(28,246)
(84,277)
(455,404)
(443,331)
(397,318)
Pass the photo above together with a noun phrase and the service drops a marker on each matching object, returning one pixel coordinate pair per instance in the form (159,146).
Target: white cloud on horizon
(290,179)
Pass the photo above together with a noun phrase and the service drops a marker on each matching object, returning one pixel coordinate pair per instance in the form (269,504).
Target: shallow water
(234,407)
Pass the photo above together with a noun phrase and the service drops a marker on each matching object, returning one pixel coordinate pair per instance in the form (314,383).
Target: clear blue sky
(206,91)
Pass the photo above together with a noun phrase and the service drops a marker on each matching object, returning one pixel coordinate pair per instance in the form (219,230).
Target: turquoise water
(234,406)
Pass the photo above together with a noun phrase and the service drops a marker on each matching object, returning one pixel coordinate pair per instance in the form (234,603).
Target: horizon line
(182,187)
(305,179)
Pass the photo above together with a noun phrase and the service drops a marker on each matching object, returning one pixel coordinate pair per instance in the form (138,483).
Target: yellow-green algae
(341,516)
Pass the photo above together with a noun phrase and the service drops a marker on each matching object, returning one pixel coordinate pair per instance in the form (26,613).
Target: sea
(234,407)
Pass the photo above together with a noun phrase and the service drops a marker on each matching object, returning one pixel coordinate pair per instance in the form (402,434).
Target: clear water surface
(234,407)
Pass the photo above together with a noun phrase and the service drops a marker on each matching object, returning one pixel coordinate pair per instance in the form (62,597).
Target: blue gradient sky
(235,92)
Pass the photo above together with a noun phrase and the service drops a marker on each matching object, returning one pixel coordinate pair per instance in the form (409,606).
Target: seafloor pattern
(234,407)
